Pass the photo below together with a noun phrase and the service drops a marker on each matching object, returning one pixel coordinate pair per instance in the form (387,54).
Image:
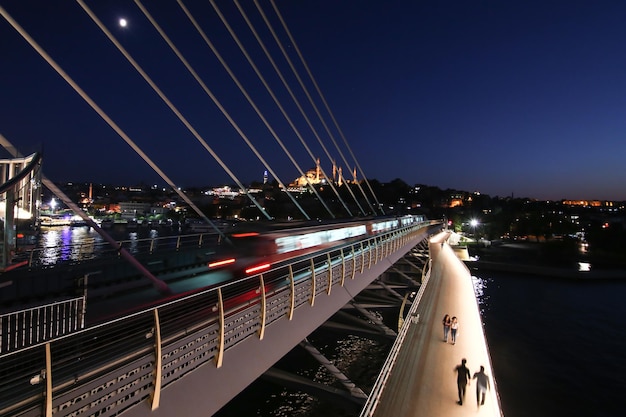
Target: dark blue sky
(501,97)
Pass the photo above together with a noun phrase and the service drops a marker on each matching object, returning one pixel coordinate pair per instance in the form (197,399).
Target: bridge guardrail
(20,329)
(372,401)
(107,368)
(50,257)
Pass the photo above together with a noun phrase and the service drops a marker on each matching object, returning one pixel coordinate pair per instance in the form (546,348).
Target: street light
(474,223)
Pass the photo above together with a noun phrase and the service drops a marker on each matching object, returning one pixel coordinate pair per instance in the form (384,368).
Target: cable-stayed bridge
(179,315)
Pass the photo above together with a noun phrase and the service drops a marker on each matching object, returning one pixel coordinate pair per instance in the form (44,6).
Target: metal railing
(374,397)
(104,370)
(23,328)
(50,257)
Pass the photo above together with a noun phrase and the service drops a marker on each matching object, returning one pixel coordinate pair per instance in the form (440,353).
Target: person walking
(462,379)
(454,327)
(446,327)
(482,385)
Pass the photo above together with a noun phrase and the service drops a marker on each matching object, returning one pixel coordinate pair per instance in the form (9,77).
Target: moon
(123,22)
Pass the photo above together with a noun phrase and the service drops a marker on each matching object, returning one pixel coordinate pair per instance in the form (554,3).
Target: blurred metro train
(257,248)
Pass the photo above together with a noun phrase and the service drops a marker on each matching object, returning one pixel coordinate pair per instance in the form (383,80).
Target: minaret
(354,175)
(340,177)
(334,172)
(317,172)
(265,177)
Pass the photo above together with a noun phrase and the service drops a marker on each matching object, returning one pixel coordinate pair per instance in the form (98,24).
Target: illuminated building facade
(20,199)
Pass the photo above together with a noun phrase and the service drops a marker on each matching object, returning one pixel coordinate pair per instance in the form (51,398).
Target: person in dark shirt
(482,385)
(446,327)
(462,379)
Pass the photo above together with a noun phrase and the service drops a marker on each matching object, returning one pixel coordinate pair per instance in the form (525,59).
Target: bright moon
(123,23)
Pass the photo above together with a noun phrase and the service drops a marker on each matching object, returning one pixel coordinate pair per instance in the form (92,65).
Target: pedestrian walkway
(423,381)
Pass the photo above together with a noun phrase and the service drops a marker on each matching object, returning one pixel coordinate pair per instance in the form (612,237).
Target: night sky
(523,98)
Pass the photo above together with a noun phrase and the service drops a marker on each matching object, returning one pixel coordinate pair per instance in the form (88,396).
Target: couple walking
(450,326)
(462,380)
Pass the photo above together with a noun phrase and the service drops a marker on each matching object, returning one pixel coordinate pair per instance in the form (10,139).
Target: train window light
(291,243)
(384,226)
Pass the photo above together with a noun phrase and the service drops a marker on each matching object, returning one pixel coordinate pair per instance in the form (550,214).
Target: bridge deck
(423,381)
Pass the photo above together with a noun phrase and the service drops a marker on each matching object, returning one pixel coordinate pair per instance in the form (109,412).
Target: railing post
(220,347)
(383,246)
(156,395)
(343,267)
(292,284)
(376,243)
(263,307)
(312,282)
(83,311)
(330,274)
(369,249)
(353,263)
(362,258)
(48,381)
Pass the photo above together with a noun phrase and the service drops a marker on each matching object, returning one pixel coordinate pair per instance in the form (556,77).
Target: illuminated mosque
(315,176)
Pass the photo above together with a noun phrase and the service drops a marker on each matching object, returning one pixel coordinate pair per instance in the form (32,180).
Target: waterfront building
(131,210)
(20,195)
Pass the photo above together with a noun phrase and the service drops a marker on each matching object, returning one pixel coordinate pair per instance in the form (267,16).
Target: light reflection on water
(66,243)
(132,236)
(480,285)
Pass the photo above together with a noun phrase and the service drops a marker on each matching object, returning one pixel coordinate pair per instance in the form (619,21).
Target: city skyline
(503,99)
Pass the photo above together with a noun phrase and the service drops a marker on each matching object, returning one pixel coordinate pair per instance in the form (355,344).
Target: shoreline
(546,271)
(539,260)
